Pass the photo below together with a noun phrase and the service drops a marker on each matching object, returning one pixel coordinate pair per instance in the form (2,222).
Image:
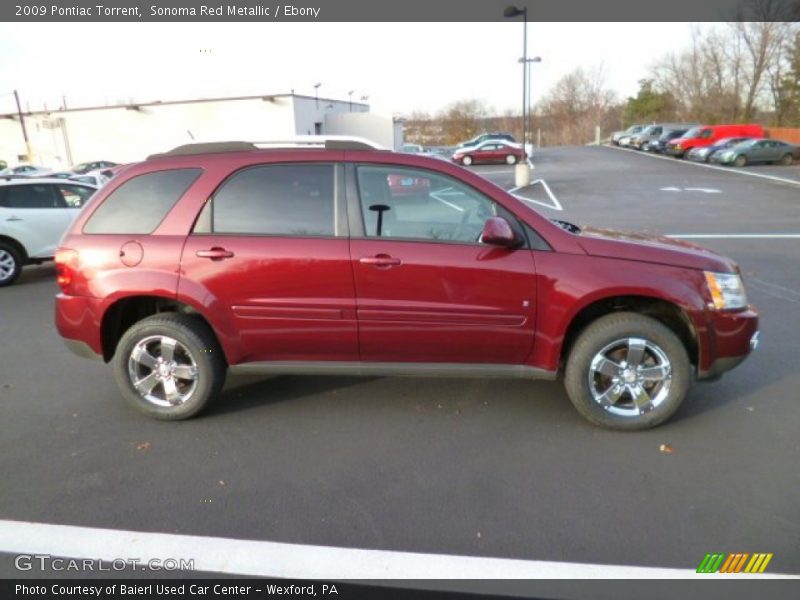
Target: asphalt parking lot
(490,468)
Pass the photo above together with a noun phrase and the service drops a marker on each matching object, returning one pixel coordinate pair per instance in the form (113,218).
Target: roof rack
(327,142)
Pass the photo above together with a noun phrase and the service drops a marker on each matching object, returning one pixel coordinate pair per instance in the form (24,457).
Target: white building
(130,132)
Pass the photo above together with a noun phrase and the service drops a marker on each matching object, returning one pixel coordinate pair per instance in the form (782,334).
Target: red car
(303,260)
(708,135)
(490,151)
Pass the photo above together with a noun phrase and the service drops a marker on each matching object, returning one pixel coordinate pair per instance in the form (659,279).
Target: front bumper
(730,338)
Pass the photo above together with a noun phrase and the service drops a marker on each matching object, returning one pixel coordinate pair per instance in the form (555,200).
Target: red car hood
(652,248)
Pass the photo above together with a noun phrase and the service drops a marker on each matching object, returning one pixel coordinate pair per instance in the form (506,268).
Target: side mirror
(498,232)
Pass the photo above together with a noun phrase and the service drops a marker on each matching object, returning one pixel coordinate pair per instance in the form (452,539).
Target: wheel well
(665,312)
(126,312)
(17,246)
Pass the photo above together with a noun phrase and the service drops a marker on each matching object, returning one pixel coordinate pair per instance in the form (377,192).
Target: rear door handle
(381,260)
(215,253)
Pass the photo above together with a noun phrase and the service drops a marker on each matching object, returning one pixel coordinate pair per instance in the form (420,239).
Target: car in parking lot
(704,153)
(217,257)
(24,171)
(659,145)
(34,214)
(617,136)
(758,151)
(648,135)
(707,135)
(484,137)
(93,166)
(490,151)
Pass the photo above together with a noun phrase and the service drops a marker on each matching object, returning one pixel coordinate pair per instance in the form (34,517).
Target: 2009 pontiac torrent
(344,259)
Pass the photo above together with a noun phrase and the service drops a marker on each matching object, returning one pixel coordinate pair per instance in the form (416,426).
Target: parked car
(24,171)
(486,137)
(93,166)
(703,153)
(182,267)
(642,140)
(412,148)
(758,151)
(97,178)
(617,136)
(660,145)
(491,151)
(56,175)
(34,214)
(707,135)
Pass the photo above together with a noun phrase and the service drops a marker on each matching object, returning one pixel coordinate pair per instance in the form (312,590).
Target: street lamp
(316,93)
(522,173)
(350,93)
(527,62)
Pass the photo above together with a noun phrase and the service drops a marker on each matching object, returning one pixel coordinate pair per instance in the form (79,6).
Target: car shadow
(245,392)
(35,274)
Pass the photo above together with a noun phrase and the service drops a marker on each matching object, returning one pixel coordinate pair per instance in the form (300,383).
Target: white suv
(34,213)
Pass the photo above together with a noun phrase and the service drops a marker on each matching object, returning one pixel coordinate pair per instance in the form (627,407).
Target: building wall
(377,128)
(309,111)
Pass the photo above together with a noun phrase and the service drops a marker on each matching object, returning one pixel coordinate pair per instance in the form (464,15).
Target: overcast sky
(401,66)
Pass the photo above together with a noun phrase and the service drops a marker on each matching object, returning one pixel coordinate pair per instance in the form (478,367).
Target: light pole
(316,93)
(24,130)
(527,62)
(350,93)
(522,172)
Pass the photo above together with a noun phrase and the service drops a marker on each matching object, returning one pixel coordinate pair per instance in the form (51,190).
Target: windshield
(693,133)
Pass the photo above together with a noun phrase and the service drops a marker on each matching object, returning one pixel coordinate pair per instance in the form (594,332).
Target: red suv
(311,260)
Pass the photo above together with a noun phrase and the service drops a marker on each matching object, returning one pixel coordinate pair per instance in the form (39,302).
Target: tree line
(742,71)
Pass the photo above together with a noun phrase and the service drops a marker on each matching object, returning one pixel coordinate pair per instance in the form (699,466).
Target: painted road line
(297,561)
(735,236)
(704,190)
(556,205)
(443,201)
(715,167)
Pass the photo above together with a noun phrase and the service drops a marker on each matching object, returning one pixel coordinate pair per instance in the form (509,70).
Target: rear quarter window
(141,203)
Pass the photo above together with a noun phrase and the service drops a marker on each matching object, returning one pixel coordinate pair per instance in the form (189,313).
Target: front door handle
(381,261)
(215,253)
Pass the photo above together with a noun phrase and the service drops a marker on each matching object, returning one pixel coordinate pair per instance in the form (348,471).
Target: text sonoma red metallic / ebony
(343,259)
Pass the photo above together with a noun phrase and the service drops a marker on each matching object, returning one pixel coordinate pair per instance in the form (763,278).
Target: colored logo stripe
(734,562)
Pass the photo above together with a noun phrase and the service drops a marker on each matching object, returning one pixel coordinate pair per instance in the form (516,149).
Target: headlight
(727,154)
(727,290)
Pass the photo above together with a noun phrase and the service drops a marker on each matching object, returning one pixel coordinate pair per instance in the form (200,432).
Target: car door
(487,153)
(269,256)
(426,289)
(760,151)
(34,215)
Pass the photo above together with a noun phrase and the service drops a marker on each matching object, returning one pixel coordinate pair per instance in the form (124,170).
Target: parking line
(735,236)
(556,205)
(715,167)
(443,201)
(297,561)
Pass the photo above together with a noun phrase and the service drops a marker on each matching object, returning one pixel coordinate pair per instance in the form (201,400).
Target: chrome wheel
(8,265)
(511,159)
(630,377)
(162,371)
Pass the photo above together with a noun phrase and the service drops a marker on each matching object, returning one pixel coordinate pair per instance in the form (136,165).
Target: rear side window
(141,203)
(293,200)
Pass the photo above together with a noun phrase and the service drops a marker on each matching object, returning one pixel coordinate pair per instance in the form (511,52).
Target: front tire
(10,264)
(740,161)
(168,366)
(627,371)
(466,161)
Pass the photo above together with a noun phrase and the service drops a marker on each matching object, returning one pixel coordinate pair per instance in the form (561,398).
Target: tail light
(66,265)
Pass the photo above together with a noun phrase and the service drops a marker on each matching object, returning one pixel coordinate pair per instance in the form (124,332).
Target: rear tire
(176,361)
(10,264)
(787,160)
(602,384)
(511,159)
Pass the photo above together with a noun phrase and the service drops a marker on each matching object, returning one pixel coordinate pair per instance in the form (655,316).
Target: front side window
(415,204)
(74,196)
(292,200)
